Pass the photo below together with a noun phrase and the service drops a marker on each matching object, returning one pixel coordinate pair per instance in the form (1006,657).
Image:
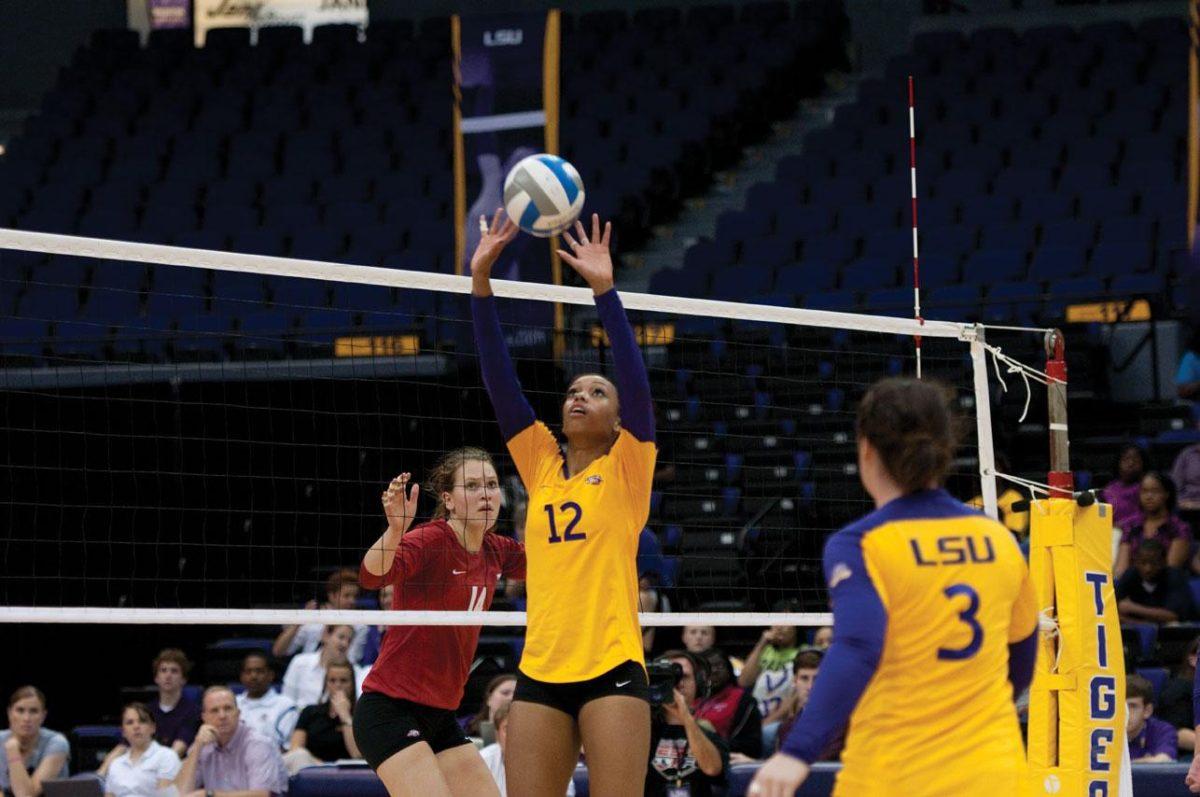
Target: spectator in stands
(1187,378)
(144,768)
(731,710)
(806,666)
(1124,491)
(1151,592)
(266,711)
(374,639)
(304,681)
(1158,522)
(1151,740)
(1174,704)
(499,692)
(32,754)
(493,754)
(227,756)
(698,638)
(341,592)
(686,755)
(1186,473)
(175,717)
(325,732)
(823,638)
(768,668)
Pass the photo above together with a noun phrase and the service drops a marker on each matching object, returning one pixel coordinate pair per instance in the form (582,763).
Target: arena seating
(1050,169)
(340,150)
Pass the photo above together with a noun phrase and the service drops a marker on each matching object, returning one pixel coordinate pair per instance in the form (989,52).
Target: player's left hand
(780,776)
(590,258)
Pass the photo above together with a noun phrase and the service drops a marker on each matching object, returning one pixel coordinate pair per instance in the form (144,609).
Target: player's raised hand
(780,776)
(1193,776)
(494,238)
(400,504)
(590,257)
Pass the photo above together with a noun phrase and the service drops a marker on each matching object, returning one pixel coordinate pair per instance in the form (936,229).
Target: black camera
(664,676)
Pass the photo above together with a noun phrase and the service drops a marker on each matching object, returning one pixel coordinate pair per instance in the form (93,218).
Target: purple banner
(170,14)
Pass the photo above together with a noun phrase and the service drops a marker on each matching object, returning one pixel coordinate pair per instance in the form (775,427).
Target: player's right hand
(491,243)
(399,504)
(205,736)
(1193,776)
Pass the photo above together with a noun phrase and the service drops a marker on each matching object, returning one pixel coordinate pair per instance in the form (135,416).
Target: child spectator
(1151,740)
(266,711)
(1124,490)
(730,709)
(499,692)
(175,717)
(1150,592)
(32,754)
(1174,704)
(493,754)
(768,668)
(144,768)
(325,732)
(341,592)
(304,681)
(1156,499)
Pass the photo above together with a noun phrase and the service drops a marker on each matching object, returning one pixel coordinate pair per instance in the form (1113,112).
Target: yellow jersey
(936,591)
(581,538)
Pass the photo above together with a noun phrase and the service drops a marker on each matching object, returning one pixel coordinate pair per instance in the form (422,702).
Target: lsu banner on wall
(255,14)
(506,108)
(1077,740)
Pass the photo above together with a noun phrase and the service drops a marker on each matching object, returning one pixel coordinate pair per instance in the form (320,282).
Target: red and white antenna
(912,168)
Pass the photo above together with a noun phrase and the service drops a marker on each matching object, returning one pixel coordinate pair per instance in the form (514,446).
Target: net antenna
(912,168)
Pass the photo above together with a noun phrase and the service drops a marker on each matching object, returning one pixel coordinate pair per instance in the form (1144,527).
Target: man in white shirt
(341,592)
(266,711)
(493,754)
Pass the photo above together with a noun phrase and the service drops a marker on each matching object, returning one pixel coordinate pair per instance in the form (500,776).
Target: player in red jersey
(404,723)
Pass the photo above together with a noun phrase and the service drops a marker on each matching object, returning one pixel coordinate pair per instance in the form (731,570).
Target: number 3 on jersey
(569,534)
(968,616)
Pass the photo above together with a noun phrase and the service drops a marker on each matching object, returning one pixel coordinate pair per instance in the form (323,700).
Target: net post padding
(159,254)
(983,427)
(276,617)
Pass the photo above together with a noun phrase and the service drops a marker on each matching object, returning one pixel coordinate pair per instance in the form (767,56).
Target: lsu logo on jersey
(955,549)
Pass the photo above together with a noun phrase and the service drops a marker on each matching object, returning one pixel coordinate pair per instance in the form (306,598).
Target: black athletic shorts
(383,726)
(627,678)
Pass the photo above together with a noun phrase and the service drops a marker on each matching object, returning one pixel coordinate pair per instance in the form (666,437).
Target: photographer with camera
(687,757)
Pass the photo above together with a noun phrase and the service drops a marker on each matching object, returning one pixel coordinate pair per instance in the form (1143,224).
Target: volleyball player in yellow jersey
(582,676)
(934,619)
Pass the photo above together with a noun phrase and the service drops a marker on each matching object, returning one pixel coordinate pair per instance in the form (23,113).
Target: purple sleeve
(265,769)
(1021,657)
(1161,738)
(861,622)
(637,408)
(513,412)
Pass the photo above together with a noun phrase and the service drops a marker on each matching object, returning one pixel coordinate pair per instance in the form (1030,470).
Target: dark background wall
(39,36)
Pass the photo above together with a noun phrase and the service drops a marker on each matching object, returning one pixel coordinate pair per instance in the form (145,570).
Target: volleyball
(543,194)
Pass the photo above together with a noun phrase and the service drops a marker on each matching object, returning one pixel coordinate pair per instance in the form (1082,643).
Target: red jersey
(430,664)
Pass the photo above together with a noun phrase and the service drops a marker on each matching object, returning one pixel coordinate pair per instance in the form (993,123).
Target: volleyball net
(201,437)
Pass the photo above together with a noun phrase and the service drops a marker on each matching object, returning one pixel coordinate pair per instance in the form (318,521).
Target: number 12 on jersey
(569,534)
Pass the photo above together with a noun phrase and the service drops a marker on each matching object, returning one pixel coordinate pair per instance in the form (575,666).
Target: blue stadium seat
(994,265)
(743,283)
(1144,285)
(259,241)
(769,252)
(868,273)
(1046,208)
(49,302)
(1131,229)
(1157,676)
(290,218)
(828,249)
(1074,233)
(895,301)
(938,270)
(806,276)
(952,242)
(1013,303)
(1069,291)
(201,335)
(361,298)
(296,292)
(988,210)
(1023,182)
(842,301)
(742,225)
(1057,262)
(1119,258)
(238,285)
